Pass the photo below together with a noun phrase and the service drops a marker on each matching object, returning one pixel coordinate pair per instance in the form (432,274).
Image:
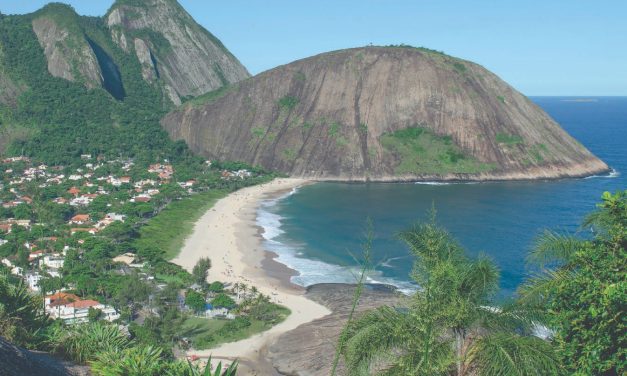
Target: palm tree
(575,287)
(451,326)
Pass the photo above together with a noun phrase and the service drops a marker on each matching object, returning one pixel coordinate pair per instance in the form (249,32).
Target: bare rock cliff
(170,44)
(69,55)
(382,113)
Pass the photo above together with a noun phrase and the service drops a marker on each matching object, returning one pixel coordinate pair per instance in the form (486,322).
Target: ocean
(318,230)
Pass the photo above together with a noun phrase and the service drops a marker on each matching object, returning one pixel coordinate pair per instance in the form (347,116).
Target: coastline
(228,234)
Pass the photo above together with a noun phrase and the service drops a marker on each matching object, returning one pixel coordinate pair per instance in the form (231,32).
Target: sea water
(318,230)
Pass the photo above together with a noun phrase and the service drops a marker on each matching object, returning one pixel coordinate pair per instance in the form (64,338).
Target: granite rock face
(18,361)
(382,114)
(188,58)
(69,55)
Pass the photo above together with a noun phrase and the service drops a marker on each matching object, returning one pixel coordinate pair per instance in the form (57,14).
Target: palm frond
(371,337)
(551,247)
(540,288)
(504,355)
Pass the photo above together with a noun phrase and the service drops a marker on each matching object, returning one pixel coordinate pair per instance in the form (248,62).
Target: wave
(445,182)
(613,173)
(311,271)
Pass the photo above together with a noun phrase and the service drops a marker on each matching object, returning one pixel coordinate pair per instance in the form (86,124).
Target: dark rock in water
(382,114)
(309,349)
(16,361)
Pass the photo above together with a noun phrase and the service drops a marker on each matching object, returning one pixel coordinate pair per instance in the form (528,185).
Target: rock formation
(382,113)
(171,45)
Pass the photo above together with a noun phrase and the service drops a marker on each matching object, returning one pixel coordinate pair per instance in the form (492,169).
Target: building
(79,219)
(72,309)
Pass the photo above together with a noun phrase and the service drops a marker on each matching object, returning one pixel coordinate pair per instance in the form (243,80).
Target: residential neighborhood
(71,234)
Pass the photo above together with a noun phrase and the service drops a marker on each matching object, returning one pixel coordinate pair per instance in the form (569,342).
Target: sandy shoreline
(227,234)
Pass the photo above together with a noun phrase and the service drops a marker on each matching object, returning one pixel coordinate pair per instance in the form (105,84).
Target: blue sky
(573,47)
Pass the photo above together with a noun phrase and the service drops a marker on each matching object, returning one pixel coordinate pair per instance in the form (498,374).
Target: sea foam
(311,271)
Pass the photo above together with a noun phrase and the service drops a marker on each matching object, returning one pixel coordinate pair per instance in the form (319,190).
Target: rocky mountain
(176,55)
(171,46)
(72,84)
(382,113)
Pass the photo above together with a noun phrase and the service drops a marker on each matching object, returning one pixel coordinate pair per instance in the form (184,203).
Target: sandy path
(227,234)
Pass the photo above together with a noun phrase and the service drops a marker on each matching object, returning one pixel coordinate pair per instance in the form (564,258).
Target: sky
(548,47)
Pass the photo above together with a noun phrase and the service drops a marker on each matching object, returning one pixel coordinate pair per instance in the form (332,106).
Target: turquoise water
(315,229)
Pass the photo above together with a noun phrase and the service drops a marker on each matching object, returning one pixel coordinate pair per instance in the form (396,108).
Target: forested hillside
(67,88)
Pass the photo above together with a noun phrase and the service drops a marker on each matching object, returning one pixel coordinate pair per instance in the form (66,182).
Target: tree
(195,301)
(585,295)
(21,314)
(94,314)
(216,286)
(451,326)
(223,300)
(201,270)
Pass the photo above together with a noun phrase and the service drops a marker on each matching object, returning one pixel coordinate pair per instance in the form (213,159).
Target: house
(3,242)
(72,309)
(32,280)
(79,219)
(53,262)
(60,201)
(74,191)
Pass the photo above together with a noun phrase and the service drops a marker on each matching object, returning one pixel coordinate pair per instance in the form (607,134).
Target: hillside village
(73,235)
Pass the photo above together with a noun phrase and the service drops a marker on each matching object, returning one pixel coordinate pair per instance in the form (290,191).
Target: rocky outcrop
(309,349)
(69,55)
(189,59)
(9,89)
(386,114)
(17,361)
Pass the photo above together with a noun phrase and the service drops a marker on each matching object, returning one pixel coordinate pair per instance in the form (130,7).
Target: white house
(71,309)
(32,280)
(53,262)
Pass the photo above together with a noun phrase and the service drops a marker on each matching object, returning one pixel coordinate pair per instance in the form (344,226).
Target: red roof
(84,304)
(74,191)
(80,218)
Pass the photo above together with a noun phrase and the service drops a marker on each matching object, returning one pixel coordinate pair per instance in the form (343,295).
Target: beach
(227,234)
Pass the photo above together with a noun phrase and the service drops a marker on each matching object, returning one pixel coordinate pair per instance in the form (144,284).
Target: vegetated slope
(67,87)
(382,113)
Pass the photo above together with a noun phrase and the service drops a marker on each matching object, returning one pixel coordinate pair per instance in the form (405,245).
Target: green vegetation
(205,333)
(508,139)
(201,270)
(334,129)
(167,232)
(448,327)
(109,352)
(288,102)
(459,67)
(300,76)
(584,296)
(420,151)
(501,99)
(289,154)
(537,152)
(21,319)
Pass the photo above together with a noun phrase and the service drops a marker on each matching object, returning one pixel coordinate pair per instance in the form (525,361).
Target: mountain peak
(190,60)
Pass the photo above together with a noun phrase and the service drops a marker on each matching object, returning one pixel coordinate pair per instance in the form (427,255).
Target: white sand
(228,235)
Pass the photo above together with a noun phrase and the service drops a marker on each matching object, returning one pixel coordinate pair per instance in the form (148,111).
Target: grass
(209,333)
(288,102)
(420,151)
(168,230)
(508,139)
